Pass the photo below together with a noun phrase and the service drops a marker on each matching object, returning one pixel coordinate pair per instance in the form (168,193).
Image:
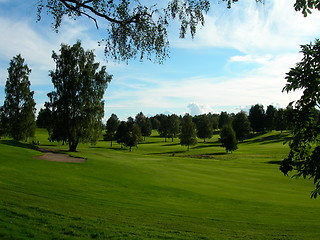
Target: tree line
(232,127)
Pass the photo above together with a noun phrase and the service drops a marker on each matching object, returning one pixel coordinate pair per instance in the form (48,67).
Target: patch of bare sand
(55,156)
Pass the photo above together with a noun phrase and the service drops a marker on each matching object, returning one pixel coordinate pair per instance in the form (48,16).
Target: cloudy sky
(237,60)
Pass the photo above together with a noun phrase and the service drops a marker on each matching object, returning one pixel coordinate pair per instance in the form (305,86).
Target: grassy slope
(149,194)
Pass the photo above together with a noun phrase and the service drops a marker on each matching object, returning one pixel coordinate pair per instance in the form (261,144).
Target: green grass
(150,194)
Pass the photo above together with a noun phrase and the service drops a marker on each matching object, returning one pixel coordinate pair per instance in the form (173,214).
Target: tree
(76,104)
(163,129)
(281,122)
(304,146)
(224,119)
(228,138)
(144,124)
(270,118)
(188,135)
(257,117)
(204,127)
(111,127)
(121,133)
(18,111)
(133,29)
(133,136)
(44,119)
(173,126)
(241,126)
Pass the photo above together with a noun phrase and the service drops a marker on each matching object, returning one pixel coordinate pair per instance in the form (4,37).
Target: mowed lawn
(157,191)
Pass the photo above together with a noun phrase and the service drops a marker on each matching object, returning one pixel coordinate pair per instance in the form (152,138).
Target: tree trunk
(130,148)
(111,143)
(73,146)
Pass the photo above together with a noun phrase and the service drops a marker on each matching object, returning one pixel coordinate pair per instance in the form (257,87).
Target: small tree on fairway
(111,127)
(228,138)
(188,135)
(18,112)
(133,136)
(121,133)
(257,118)
(76,104)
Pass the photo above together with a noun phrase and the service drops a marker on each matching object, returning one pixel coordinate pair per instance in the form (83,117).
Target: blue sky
(239,58)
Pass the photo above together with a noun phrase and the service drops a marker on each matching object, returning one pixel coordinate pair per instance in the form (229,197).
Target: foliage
(204,126)
(133,136)
(111,127)
(270,118)
(144,124)
(164,127)
(257,118)
(18,111)
(188,135)
(228,138)
(305,6)
(304,152)
(76,104)
(174,126)
(44,119)
(241,126)
(224,119)
(121,132)
(133,29)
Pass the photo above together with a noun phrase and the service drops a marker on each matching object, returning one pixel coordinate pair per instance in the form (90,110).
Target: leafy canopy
(304,155)
(76,104)
(18,111)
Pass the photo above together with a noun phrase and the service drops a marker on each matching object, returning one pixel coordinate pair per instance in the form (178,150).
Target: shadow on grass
(14,143)
(274,162)
(281,137)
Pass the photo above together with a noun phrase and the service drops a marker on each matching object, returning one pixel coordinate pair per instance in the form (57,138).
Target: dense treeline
(232,127)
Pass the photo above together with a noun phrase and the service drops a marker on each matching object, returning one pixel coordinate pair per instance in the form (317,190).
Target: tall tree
(76,104)
(173,126)
(257,118)
(144,124)
(188,135)
(18,111)
(241,126)
(44,119)
(163,129)
(304,155)
(270,118)
(133,136)
(111,127)
(204,126)
(228,138)
(121,133)
(224,119)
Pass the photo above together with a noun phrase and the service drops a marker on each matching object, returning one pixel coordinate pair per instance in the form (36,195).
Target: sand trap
(53,155)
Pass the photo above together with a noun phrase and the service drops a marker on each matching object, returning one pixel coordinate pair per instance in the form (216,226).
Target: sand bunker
(55,156)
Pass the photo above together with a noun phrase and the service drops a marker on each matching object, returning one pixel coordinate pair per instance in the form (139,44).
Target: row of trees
(233,127)
(75,108)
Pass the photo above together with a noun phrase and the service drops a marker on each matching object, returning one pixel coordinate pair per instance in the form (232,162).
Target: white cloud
(251,27)
(198,109)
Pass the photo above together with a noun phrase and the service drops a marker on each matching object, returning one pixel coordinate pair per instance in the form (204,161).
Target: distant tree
(173,126)
(121,133)
(133,136)
(188,135)
(163,129)
(214,120)
(144,124)
(204,126)
(257,118)
(304,152)
(44,119)
(228,138)
(76,104)
(155,123)
(224,119)
(241,126)
(111,127)
(281,121)
(270,118)
(18,111)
